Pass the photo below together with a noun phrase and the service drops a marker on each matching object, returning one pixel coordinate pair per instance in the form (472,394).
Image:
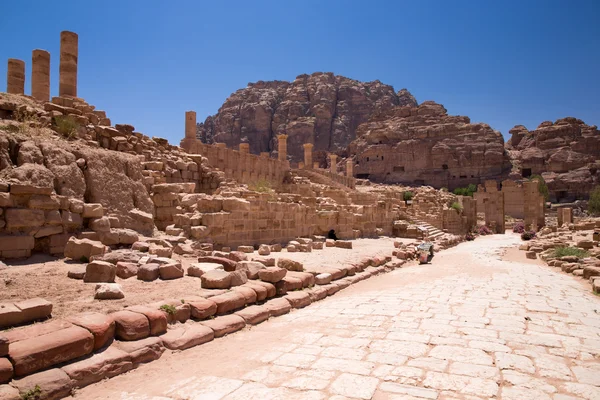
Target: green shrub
(528,235)
(408,196)
(468,191)
(457,206)
(32,394)
(66,126)
(261,186)
(570,251)
(542,187)
(169,309)
(594,203)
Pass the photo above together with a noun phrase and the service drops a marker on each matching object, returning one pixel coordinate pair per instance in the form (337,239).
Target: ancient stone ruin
(217,220)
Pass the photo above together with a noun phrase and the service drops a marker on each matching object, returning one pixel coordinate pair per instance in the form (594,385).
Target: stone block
(343,244)
(187,336)
(48,231)
(148,272)
(43,202)
(101,224)
(264,250)
(272,274)
(290,265)
(199,269)
(228,265)
(235,204)
(225,324)
(229,301)
(53,384)
(298,299)
(323,279)
(216,279)
(246,249)
(130,325)
(101,326)
(34,309)
(126,270)
(156,318)
(170,271)
(106,364)
(16,188)
(23,218)
(202,308)
(108,291)
(238,277)
(83,249)
(6,371)
(271,290)
(254,314)
(100,271)
(21,242)
(40,352)
(278,307)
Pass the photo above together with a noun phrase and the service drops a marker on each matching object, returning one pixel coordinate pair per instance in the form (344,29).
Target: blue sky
(146,62)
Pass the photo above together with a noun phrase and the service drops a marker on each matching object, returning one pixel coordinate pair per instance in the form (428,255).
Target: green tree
(594,203)
(408,196)
(542,187)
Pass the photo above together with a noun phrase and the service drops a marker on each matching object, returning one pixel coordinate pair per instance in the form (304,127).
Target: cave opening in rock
(526,172)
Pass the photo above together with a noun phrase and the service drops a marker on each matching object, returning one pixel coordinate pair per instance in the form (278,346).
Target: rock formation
(322,108)
(424,145)
(565,153)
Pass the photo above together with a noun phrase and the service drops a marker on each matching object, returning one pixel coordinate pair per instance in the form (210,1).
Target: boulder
(92,210)
(83,249)
(238,277)
(585,244)
(171,271)
(272,274)
(237,256)
(228,265)
(216,279)
(130,325)
(148,272)
(108,291)
(531,254)
(141,246)
(323,279)
(252,268)
(290,265)
(276,248)
(202,308)
(100,271)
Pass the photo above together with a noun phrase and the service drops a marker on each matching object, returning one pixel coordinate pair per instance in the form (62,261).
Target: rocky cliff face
(425,145)
(322,108)
(565,153)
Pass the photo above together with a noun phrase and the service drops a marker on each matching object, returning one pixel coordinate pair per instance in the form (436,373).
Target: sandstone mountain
(425,145)
(322,108)
(565,153)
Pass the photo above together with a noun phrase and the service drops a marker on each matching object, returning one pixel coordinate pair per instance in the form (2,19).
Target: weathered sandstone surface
(424,145)
(321,108)
(565,153)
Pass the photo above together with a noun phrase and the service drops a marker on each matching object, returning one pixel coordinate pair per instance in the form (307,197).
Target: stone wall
(243,167)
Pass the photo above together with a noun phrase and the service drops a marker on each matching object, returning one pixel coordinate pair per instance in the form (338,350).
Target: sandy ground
(480,322)
(46,277)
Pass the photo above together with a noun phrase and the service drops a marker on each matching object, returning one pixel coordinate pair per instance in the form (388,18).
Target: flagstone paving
(468,326)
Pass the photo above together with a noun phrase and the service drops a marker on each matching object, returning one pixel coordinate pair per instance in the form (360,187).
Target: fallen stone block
(331,288)
(590,271)
(291,283)
(216,279)
(40,352)
(83,249)
(156,318)
(275,248)
(105,364)
(343,244)
(290,265)
(238,277)
(261,291)
(281,287)
(245,249)
(271,290)
(34,309)
(100,271)
(237,256)
(228,265)
(317,245)
(8,392)
(298,299)
(272,274)
(3,346)
(101,326)
(171,271)
(202,308)
(108,291)
(266,261)
(52,384)
(317,293)
(531,254)
(306,278)
(329,243)
(130,325)
(199,269)
(278,307)
(126,270)
(187,336)
(148,272)
(264,250)
(141,246)
(229,301)
(251,268)
(143,351)
(254,314)
(92,210)
(225,324)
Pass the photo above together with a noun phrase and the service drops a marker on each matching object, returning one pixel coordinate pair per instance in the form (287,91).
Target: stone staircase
(433,233)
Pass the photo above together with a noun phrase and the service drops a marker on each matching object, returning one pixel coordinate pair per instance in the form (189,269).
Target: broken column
(15,76)
(190,132)
(282,147)
(68,64)
(40,75)
(349,168)
(245,148)
(333,160)
(533,206)
(308,153)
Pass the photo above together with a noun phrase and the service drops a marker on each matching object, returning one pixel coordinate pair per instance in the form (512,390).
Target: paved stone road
(469,326)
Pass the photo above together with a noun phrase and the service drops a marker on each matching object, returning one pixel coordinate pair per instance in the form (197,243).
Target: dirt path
(473,325)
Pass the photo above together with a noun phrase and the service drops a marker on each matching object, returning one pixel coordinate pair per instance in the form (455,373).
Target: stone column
(40,75)
(308,149)
(282,147)
(190,125)
(333,161)
(15,76)
(350,168)
(245,148)
(315,164)
(68,64)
